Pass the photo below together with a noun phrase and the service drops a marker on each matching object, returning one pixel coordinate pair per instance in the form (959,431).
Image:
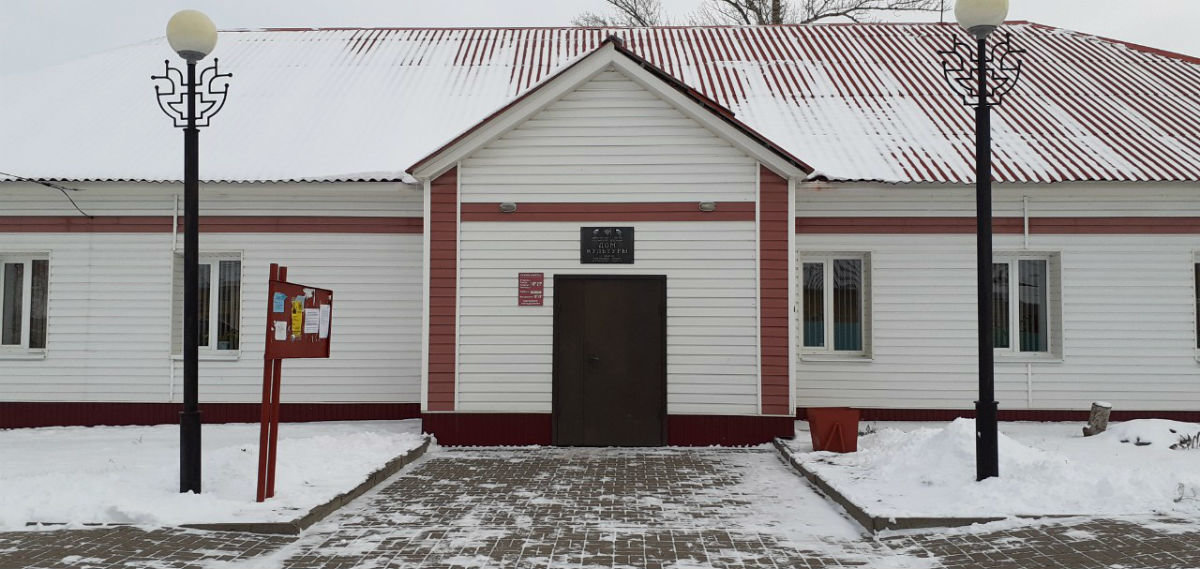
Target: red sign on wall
(530,288)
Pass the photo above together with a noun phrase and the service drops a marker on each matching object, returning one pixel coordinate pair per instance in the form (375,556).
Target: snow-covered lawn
(928,469)
(131,474)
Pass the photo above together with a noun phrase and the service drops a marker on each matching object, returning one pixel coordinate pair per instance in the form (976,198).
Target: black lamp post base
(189,451)
(987,456)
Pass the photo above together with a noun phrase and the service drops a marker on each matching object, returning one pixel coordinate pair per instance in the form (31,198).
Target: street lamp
(982,77)
(190,103)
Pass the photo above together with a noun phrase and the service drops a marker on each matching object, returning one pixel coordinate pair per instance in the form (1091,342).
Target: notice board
(299,321)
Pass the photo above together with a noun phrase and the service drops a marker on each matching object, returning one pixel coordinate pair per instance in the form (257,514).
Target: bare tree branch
(628,13)
(756,12)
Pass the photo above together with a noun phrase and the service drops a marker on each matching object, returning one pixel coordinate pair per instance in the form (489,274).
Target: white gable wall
(1129,334)
(610,140)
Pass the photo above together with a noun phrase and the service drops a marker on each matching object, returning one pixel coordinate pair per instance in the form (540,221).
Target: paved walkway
(662,508)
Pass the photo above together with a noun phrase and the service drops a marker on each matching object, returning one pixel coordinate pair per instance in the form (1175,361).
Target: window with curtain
(1021,303)
(833,298)
(219,314)
(24,292)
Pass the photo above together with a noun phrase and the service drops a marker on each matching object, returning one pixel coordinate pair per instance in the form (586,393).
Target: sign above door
(606,245)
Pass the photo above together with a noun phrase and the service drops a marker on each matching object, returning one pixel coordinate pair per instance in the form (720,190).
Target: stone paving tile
(128,548)
(551,508)
(1100,544)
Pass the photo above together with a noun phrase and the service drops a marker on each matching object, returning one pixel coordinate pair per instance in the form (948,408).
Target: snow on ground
(131,474)
(928,469)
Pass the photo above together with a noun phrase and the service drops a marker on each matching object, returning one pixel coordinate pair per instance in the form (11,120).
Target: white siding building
(729,226)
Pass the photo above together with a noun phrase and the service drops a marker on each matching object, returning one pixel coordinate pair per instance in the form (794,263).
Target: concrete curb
(294,527)
(319,512)
(875,524)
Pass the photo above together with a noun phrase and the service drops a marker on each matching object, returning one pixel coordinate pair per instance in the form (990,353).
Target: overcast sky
(35,33)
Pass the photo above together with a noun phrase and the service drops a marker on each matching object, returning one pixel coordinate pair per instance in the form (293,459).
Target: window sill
(1027,359)
(213,357)
(22,355)
(826,357)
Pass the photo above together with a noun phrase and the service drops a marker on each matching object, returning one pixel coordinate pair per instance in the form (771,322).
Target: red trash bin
(833,429)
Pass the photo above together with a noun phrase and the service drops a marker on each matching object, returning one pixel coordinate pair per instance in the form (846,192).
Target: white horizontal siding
(506,351)
(822,199)
(109,330)
(1128,326)
(323,199)
(609,140)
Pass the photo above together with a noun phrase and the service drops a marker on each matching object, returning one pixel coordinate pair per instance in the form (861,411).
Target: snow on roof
(855,101)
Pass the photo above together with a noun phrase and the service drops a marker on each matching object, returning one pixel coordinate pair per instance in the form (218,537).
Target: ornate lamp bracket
(171,90)
(1001,68)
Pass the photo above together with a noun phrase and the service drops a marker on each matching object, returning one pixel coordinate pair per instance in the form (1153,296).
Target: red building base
(518,429)
(1040,415)
(17,415)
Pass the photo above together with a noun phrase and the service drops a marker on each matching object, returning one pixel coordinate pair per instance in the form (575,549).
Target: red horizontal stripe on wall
(209,224)
(602,211)
(1001,225)
(15,415)
(903,225)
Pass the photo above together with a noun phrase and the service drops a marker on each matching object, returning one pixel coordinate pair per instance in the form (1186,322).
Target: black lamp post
(191,102)
(982,76)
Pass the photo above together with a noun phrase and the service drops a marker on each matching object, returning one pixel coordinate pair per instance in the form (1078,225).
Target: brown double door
(610,360)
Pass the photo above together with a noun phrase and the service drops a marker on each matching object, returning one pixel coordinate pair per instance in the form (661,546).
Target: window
(220,299)
(24,283)
(1025,304)
(835,298)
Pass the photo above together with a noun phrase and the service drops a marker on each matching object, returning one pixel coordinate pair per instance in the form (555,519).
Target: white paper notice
(310,320)
(280,330)
(325,314)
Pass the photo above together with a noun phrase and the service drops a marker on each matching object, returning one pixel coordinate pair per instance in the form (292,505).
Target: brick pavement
(600,508)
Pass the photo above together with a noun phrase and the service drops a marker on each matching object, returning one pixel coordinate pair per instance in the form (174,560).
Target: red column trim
(443,290)
(774,317)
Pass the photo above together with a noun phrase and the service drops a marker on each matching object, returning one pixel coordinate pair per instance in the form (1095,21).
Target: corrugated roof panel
(857,102)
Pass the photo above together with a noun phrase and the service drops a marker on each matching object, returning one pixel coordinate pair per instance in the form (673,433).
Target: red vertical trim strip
(443,289)
(774,225)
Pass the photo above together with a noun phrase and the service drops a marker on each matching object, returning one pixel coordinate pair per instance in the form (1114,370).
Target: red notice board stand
(299,325)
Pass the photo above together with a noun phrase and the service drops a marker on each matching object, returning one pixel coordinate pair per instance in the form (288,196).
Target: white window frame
(22,348)
(864,312)
(1054,300)
(210,351)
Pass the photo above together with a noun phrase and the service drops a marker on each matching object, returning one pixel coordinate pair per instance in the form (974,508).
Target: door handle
(593,358)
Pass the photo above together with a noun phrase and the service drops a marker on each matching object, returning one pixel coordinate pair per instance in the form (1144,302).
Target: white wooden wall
(505,350)
(110,296)
(609,141)
(1128,307)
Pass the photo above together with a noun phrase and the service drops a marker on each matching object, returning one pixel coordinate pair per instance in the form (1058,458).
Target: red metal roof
(854,101)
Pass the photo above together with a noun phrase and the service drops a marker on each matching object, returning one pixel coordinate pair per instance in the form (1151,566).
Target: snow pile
(931,472)
(131,474)
(1159,433)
